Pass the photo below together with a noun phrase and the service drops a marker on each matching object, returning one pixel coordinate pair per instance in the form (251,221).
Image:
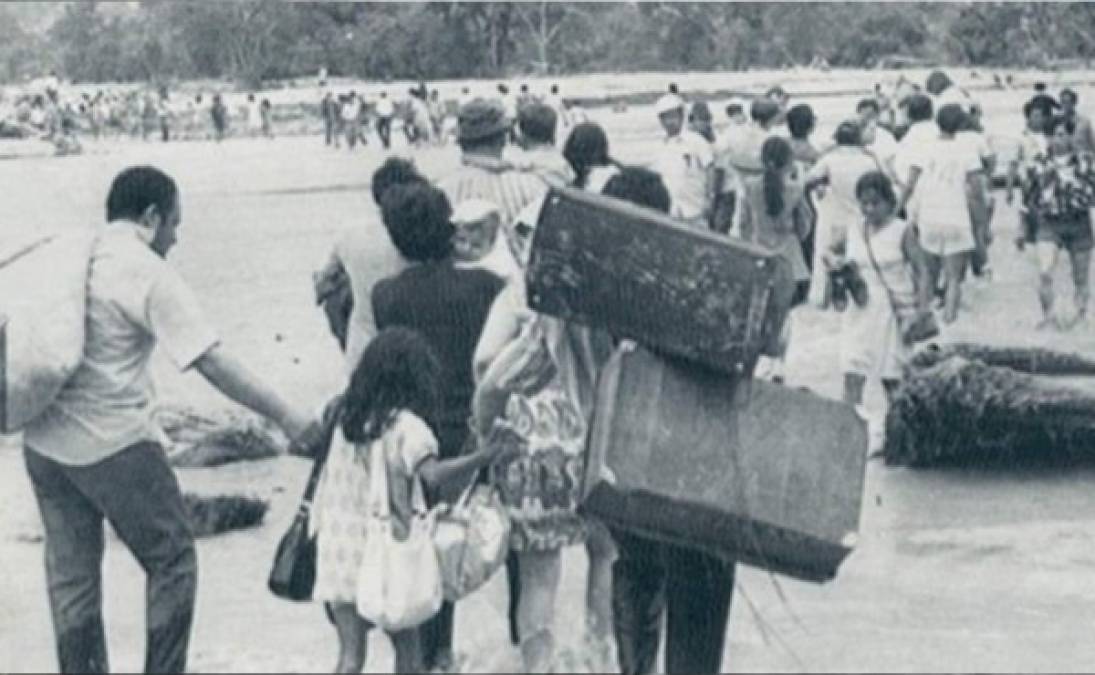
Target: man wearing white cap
(685,163)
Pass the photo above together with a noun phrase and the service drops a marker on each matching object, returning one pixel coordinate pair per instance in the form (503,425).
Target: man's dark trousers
(693,589)
(137,492)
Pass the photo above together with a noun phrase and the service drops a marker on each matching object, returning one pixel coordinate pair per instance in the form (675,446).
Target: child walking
(389,407)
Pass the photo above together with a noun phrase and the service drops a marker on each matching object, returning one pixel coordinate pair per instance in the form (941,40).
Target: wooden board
(639,274)
(747,470)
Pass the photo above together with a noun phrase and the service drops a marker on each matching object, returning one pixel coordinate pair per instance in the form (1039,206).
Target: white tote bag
(399,585)
(43,298)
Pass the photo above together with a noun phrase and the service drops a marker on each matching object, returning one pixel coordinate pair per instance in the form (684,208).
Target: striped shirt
(494,180)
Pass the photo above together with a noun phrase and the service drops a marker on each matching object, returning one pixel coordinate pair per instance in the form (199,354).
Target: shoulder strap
(877,269)
(332,415)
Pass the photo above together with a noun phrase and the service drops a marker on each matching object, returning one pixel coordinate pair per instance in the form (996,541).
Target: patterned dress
(531,410)
(340,513)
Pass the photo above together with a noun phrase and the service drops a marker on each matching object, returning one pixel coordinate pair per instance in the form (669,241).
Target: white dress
(870,339)
(339,514)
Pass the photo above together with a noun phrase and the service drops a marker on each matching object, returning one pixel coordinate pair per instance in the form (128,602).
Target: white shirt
(978,143)
(509,103)
(884,146)
(683,162)
(918,137)
(135,301)
(385,107)
(940,197)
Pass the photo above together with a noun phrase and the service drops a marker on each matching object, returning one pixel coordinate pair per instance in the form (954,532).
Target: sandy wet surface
(987,570)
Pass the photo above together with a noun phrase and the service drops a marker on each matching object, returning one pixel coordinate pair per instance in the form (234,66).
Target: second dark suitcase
(746,470)
(639,274)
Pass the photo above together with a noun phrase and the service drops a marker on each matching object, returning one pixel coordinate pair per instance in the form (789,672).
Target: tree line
(256,40)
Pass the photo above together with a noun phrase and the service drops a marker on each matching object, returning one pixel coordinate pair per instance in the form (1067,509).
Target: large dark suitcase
(746,470)
(639,274)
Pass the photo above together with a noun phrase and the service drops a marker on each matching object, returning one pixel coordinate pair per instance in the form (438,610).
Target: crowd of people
(423,115)
(62,116)
(880,223)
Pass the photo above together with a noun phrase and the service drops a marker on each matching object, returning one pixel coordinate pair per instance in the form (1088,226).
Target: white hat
(668,103)
(473,211)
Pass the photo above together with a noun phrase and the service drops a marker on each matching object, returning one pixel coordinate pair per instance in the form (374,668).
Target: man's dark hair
(801,121)
(537,123)
(639,186)
(416,216)
(951,118)
(848,133)
(394,171)
(763,110)
(938,82)
(868,103)
(486,143)
(919,107)
(674,89)
(137,188)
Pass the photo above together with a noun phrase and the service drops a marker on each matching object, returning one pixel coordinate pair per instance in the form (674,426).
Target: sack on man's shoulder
(43,300)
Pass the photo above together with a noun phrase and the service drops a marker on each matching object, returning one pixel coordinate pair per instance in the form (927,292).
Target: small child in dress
(388,407)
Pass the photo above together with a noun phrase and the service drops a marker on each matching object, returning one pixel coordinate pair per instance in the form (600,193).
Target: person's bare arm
(910,186)
(910,245)
(504,322)
(233,379)
(436,473)
(1013,180)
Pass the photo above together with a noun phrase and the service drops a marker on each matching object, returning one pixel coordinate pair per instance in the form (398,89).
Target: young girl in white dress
(388,407)
(893,266)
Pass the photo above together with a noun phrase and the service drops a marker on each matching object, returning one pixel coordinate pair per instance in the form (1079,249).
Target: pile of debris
(968,403)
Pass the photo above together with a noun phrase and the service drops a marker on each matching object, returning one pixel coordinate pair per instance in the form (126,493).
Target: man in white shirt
(385,111)
(1084,137)
(555,101)
(94,454)
(922,133)
(685,163)
(875,138)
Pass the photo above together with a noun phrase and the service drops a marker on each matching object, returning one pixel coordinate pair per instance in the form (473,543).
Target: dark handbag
(293,574)
(915,325)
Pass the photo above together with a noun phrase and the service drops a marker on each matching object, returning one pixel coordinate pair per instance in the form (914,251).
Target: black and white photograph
(547,337)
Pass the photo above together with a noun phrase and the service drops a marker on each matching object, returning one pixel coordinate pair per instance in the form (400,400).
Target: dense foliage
(262,39)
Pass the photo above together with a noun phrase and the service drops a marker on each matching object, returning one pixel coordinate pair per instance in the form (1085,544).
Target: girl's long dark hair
(398,371)
(586,147)
(775,154)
